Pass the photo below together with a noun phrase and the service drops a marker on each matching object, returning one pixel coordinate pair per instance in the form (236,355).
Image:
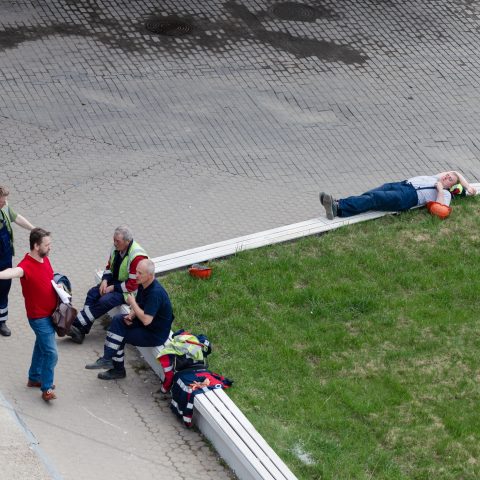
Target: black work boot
(4,330)
(100,363)
(113,374)
(76,334)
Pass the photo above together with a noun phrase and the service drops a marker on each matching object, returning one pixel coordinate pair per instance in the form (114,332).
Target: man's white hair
(125,232)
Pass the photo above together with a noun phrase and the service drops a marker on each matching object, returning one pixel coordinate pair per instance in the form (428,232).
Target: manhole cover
(294,11)
(172,27)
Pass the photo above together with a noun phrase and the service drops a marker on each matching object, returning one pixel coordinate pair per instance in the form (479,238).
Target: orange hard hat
(200,271)
(439,210)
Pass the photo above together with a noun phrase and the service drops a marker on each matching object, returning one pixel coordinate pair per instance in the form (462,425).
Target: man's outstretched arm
(24,223)
(9,273)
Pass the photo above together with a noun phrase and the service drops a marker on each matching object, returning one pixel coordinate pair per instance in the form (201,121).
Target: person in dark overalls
(7,216)
(147,325)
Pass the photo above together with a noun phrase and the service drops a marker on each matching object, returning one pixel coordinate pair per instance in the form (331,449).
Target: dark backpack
(183,362)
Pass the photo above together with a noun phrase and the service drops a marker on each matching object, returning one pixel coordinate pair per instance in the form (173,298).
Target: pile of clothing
(184,361)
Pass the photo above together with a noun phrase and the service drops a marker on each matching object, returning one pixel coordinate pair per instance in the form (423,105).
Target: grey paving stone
(190,140)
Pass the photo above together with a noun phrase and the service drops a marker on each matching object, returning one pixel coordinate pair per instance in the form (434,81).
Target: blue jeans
(44,357)
(390,197)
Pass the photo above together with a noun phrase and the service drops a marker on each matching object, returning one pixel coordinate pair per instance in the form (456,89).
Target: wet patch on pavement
(135,34)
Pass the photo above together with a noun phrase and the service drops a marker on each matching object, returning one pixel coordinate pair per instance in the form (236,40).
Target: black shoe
(100,363)
(331,206)
(112,374)
(4,330)
(76,334)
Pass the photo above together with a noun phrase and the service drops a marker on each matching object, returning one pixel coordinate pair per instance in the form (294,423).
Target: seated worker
(397,196)
(147,325)
(118,280)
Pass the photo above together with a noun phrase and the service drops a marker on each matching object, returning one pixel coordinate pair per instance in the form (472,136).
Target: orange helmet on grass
(439,209)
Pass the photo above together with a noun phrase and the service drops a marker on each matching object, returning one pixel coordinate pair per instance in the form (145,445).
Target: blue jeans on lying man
(44,357)
(390,197)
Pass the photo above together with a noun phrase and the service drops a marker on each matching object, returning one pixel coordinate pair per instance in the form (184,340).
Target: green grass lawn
(355,353)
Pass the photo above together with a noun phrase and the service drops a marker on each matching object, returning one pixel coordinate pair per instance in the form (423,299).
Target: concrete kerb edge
(322,226)
(31,440)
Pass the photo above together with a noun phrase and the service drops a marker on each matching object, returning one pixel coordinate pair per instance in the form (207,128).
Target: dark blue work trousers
(119,334)
(390,197)
(6,254)
(95,306)
(4,291)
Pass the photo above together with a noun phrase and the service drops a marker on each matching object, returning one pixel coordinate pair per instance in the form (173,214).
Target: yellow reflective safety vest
(184,344)
(124,271)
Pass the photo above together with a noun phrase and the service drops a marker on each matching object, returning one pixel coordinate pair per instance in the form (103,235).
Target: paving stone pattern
(225,131)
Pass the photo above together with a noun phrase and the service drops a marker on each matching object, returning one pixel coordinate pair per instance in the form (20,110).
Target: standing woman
(7,216)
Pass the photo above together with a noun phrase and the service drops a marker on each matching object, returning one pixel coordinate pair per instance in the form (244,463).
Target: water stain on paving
(300,12)
(301,47)
(133,35)
(12,37)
